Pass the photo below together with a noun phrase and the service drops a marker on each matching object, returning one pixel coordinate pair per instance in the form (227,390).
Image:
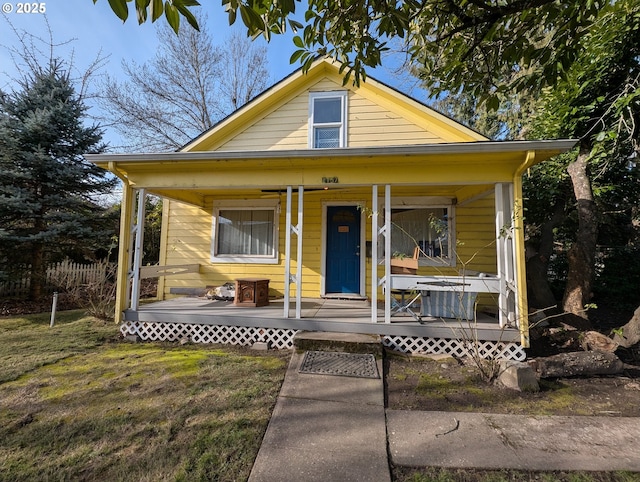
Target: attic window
(327,119)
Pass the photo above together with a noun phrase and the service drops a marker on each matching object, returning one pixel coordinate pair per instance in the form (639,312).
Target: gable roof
(291,86)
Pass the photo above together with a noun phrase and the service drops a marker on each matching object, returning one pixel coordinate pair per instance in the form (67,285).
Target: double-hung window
(244,232)
(427,224)
(327,119)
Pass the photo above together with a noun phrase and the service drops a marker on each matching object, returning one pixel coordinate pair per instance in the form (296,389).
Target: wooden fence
(65,274)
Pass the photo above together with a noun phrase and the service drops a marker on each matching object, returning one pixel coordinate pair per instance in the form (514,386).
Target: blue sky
(95,30)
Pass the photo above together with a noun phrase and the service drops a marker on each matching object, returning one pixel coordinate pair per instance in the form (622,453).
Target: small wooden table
(252,292)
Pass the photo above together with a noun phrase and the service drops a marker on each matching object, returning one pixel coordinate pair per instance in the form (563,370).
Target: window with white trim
(327,119)
(430,227)
(244,232)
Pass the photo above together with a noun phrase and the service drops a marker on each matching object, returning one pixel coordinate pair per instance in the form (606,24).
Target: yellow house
(307,198)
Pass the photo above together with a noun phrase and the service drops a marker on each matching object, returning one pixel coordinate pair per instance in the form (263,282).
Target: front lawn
(79,404)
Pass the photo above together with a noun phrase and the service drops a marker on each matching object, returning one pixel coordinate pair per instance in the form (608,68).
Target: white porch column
(387,253)
(287,253)
(299,253)
(137,230)
(505,253)
(296,230)
(375,231)
(124,250)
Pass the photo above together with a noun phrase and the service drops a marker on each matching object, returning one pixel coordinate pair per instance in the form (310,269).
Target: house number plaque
(330,180)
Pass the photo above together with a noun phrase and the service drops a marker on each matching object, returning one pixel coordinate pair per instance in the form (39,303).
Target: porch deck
(334,315)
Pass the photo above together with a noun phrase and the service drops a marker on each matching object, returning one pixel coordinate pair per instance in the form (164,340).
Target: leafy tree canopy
(531,41)
(598,102)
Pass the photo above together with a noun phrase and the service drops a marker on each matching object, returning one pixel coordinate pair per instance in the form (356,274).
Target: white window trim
(254,204)
(342,94)
(430,202)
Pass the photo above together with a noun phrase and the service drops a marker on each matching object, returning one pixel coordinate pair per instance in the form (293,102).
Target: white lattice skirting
(456,348)
(226,335)
(283,339)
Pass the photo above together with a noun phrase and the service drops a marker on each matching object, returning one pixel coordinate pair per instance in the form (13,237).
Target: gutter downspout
(519,251)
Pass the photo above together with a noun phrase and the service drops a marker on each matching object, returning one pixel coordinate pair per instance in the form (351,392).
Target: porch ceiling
(200,196)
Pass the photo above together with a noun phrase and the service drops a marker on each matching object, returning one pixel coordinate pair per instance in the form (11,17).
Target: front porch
(201,320)
(483,216)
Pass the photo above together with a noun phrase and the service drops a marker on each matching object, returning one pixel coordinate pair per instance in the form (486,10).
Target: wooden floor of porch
(330,315)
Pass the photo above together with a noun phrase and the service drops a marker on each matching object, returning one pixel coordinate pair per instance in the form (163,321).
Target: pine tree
(47,188)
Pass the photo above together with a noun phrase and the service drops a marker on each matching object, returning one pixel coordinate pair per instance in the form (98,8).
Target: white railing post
(287,254)
(387,253)
(297,230)
(505,254)
(137,250)
(374,253)
(299,254)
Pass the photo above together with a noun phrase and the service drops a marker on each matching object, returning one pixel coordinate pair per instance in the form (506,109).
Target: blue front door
(343,250)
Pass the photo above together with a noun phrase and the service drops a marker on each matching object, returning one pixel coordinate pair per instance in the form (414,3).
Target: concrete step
(341,342)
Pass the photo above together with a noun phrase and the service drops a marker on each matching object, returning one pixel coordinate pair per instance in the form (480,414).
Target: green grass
(27,342)
(77,404)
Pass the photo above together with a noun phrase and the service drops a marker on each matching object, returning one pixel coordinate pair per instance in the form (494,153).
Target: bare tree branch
(185,89)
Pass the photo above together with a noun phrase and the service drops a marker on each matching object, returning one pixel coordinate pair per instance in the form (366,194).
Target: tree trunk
(540,294)
(596,341)
(582,253)
(38,272)
(38,268)
(581,363)
(630,333)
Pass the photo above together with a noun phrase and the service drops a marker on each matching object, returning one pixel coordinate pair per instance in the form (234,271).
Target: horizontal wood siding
(189,241)
(372,125)
(476,240)
(287,126)
(476,235)
(187,238)
(284,128)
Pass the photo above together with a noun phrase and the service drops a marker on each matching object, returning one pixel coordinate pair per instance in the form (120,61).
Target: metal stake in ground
(54,306)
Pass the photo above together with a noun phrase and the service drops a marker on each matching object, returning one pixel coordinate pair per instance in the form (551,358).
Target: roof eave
(552,147)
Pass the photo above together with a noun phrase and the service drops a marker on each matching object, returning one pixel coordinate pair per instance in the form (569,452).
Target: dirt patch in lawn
(447,384)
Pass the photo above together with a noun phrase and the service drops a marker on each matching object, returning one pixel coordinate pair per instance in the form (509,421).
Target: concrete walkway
(493,441)
(334,428)
(325,428)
